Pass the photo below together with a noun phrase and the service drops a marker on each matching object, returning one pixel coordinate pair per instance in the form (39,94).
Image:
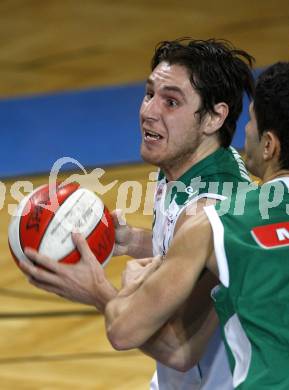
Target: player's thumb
(120,250)
(118,218)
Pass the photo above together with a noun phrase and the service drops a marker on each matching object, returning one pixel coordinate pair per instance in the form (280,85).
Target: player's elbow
(180,364)
(117,341)
(123,331)
(119,334)
(121,342)
(185,365)
(181,361)
(120,339)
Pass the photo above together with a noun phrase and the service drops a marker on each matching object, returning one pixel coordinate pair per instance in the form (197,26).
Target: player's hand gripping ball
(45,219)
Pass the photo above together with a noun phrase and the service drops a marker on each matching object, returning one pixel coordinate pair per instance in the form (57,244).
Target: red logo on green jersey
(275,235)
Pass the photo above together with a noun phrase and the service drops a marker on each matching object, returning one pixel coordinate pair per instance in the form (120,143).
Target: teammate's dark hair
(218,71)
(271,106)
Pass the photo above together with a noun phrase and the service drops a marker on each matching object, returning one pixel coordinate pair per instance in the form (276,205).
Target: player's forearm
(165,347)
(140,244)
(180,343)
(132,319)
(170,347)
(175,357)
(178,348)
(128,328)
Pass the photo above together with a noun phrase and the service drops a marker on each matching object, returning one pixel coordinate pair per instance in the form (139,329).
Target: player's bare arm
(170,345)
(184,349)
(180,343)
(177,343)
(133,317)
(175,340)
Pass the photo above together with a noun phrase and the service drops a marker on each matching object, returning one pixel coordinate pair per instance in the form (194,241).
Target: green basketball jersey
(252,249)
(216,176)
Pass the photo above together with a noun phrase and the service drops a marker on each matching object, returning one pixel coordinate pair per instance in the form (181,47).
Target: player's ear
(216,119)
(271,147)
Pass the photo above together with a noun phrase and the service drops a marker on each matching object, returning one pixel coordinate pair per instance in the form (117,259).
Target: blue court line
(97,127)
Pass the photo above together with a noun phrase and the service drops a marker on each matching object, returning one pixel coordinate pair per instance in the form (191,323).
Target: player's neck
(177,169)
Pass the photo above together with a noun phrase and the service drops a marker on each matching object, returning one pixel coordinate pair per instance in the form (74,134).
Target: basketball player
(247,250)
(188,116)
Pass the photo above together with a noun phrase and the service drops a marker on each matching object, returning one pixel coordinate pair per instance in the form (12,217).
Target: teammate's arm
(180,343)
(134,316)
(180,346)
(176,343)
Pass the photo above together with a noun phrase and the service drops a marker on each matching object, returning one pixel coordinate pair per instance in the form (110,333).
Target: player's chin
(150,156)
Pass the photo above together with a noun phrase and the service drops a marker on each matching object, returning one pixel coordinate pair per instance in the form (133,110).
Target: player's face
(253,145)
(171,131)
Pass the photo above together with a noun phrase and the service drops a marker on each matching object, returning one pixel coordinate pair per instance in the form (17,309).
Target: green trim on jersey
(254,307)
(219,173)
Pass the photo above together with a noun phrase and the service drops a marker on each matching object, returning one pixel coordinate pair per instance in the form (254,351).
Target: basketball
(44,220)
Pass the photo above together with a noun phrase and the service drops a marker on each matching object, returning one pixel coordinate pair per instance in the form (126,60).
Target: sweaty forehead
(167,74)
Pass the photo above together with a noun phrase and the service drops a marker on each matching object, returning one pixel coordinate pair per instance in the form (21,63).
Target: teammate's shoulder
(194,212)
(194,221)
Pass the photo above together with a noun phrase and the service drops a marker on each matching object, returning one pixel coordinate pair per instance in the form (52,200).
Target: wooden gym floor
(46,342)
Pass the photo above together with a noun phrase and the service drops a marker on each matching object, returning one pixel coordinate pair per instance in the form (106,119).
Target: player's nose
(151,110)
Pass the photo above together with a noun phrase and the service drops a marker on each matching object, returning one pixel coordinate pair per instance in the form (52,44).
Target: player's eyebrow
(169,88)
(173,88)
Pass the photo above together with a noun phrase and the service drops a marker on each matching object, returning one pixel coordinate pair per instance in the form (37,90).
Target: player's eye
(172,102)
(149,95)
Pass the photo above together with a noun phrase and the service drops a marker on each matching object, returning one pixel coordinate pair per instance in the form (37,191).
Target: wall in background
(97,127)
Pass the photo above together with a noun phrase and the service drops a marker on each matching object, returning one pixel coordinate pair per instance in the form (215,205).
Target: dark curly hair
(271,106)
(218,71)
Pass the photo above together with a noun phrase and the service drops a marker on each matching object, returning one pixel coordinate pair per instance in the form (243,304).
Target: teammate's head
(271,106)
(217,71)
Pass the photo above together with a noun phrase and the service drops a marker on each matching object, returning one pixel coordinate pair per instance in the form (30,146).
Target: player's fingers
(151,267)
(118,218)
(145,261)
(83,247)
(158,260)
(47,287)
(147,272)
(40,259)
(38,273)
(26,267)
(130,288)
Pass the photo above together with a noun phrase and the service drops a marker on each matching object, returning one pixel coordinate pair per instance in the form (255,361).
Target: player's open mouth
(151,135)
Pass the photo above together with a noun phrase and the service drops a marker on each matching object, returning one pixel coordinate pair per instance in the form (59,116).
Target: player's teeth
(152,135)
